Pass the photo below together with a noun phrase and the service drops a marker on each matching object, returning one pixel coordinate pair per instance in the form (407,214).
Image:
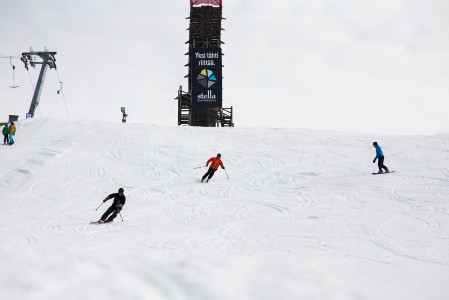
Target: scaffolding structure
(201,105)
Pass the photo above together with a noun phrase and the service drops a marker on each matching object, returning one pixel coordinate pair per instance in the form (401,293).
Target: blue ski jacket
(379,152)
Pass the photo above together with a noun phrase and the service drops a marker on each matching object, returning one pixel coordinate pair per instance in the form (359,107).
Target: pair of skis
(383,173)
(99,222)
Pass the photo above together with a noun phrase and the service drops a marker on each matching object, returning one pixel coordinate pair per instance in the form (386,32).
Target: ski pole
(100,205)
(226,173)
(199,167)
(120,215)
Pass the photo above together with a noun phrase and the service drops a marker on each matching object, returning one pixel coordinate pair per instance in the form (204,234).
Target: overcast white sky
(352,65)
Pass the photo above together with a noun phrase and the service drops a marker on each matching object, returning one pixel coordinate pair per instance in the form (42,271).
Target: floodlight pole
(124,115)
(48,59)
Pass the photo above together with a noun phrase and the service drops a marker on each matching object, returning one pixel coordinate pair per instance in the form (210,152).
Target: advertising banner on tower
(206,77)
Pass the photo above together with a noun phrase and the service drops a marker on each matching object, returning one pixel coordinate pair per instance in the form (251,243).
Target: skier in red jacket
(215,163)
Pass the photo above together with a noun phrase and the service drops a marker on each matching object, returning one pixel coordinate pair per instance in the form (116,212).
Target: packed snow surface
(300,216)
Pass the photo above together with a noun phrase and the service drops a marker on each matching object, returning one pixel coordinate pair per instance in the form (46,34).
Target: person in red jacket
(215,163)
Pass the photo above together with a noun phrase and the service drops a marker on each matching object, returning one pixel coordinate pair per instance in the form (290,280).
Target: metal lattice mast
(48,59)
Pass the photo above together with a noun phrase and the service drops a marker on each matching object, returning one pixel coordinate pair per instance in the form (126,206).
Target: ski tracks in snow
(292,194)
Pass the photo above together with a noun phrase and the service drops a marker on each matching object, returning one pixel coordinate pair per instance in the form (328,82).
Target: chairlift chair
(13,75)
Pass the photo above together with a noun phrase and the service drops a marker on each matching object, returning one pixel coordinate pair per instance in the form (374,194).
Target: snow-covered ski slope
(300,217)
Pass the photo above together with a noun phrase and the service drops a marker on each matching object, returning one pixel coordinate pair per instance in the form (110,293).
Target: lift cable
(60,91)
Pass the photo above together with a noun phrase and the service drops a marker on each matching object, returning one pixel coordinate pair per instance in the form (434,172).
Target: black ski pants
(6,139)
(380,163)
(209,173)
(111,210)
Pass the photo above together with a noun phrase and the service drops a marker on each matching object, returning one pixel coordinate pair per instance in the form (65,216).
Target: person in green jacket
(5,135)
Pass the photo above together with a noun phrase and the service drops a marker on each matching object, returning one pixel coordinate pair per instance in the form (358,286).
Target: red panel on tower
(205,2)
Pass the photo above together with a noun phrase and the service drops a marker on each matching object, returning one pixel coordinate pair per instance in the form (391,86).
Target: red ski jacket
(216,162)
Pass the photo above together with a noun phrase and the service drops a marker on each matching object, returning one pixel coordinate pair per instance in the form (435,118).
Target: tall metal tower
(48,59)
(202,104)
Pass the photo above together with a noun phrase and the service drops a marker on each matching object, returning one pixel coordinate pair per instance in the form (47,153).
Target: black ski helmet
(120,190)
(218,155)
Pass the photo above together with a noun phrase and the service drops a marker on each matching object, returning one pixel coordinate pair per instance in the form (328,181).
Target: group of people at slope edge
(8,134)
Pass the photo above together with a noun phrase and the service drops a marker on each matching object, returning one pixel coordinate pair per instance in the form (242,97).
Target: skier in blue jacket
(380,156)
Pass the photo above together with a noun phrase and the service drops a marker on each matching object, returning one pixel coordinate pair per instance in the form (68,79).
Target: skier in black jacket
(115,208)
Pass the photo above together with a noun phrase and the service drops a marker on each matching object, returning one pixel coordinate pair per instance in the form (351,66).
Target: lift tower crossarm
(48,59)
